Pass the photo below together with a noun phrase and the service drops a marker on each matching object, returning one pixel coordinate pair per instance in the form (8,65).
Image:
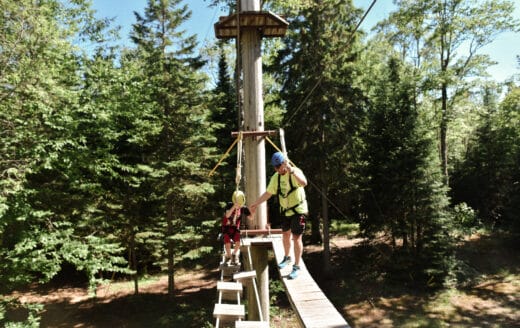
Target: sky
(503,50)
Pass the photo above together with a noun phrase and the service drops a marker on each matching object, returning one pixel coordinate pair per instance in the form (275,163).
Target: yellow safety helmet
(238,198)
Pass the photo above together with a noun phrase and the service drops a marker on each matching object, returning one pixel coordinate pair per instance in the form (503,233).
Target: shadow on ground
(489,296)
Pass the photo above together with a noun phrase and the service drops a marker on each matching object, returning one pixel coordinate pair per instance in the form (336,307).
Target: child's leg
(237,247)
(227,247)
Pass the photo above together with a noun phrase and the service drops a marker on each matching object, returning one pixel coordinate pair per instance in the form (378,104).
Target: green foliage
(29,317)
(442,40)
(465,218)
(324,110)
(403,192)
(40,255)
(488,178)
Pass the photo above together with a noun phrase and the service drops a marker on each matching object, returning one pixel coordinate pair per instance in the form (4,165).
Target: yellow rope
(278,149)
(223,157)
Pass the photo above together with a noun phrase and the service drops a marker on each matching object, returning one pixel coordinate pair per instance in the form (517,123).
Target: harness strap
(292,189)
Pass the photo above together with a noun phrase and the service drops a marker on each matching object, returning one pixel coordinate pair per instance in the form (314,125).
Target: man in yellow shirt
(288,183)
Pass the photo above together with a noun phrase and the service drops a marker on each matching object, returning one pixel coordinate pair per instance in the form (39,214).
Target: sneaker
(286,260)
(227,260)
(294,272)
(234,259)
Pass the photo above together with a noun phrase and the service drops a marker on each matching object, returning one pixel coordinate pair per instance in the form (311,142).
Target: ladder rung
(229,270)
(244,275)
(229,286)
(251,324)
(229,311)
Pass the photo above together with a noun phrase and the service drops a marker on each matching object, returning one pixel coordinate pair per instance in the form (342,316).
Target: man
(288,183)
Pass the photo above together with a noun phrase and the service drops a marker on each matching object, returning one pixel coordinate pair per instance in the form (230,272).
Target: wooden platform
(313,308)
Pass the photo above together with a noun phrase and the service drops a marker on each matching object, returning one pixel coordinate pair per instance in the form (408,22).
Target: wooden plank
(229,312)
(251,324)
(244,275)
(312,307)
(255,232)
(229,291)
(229,286)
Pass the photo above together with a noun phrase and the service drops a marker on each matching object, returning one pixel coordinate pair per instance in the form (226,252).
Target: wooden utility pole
(248,26)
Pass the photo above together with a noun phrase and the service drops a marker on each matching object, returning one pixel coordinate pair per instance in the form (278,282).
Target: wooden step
(229,286)
(251,324)
(229,312)
(244,275)
(231,291)
(229,270)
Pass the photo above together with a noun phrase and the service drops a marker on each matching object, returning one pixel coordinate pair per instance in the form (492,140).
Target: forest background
(106,149)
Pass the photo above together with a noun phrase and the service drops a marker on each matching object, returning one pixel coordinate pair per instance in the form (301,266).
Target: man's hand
(288,168)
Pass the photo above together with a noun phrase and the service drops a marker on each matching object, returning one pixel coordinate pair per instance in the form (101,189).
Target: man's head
(277,159)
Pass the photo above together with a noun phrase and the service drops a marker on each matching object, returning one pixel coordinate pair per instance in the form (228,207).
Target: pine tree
(486,179)
(324,109)
(404,193)
(226,120)
(175,90)
(48,195)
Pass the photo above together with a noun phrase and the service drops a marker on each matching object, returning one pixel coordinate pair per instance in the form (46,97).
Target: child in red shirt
(231,221)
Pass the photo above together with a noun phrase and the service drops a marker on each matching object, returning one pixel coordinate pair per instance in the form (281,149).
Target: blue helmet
(277,159)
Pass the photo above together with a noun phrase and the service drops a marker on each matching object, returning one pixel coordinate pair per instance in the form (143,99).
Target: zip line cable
(321,76)
(309,94)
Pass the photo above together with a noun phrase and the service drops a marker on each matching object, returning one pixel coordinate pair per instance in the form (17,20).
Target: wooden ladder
(232,291)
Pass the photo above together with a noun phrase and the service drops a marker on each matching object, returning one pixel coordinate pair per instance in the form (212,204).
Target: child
(235,211)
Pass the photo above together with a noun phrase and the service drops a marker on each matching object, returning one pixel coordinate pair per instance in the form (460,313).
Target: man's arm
(297,173)
(265,196)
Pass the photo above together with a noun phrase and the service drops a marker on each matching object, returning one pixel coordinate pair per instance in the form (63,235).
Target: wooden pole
(254,149)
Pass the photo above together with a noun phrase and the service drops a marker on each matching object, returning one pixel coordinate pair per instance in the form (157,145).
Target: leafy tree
(447,36)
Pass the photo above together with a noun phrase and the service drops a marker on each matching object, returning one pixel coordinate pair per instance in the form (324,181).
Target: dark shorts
(294,222)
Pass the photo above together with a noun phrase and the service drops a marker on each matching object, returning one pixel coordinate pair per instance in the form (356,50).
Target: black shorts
(294,222)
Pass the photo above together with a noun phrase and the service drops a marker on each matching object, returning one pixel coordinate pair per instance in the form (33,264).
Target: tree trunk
(315,229)
(444,132)
(133,263)
(169,219)
(325,215)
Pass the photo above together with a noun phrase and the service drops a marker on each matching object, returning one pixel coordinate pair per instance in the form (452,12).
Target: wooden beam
(254,232)
(255,133)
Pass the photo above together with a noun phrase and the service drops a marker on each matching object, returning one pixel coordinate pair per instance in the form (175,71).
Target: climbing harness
(292,188)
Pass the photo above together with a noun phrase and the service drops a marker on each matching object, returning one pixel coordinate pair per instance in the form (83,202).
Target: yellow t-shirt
(286,198)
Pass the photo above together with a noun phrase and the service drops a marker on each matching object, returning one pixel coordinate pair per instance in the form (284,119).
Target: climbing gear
(292,188)
(277,159)
(294,272)
(238,198)
(286,260)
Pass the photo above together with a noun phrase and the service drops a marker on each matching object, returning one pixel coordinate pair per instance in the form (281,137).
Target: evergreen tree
(487,179)
(175,90)
(324,110)
(45,196)
(226,120)
(404,194)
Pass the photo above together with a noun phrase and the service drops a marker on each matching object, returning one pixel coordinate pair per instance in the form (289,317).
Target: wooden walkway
(313,308)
